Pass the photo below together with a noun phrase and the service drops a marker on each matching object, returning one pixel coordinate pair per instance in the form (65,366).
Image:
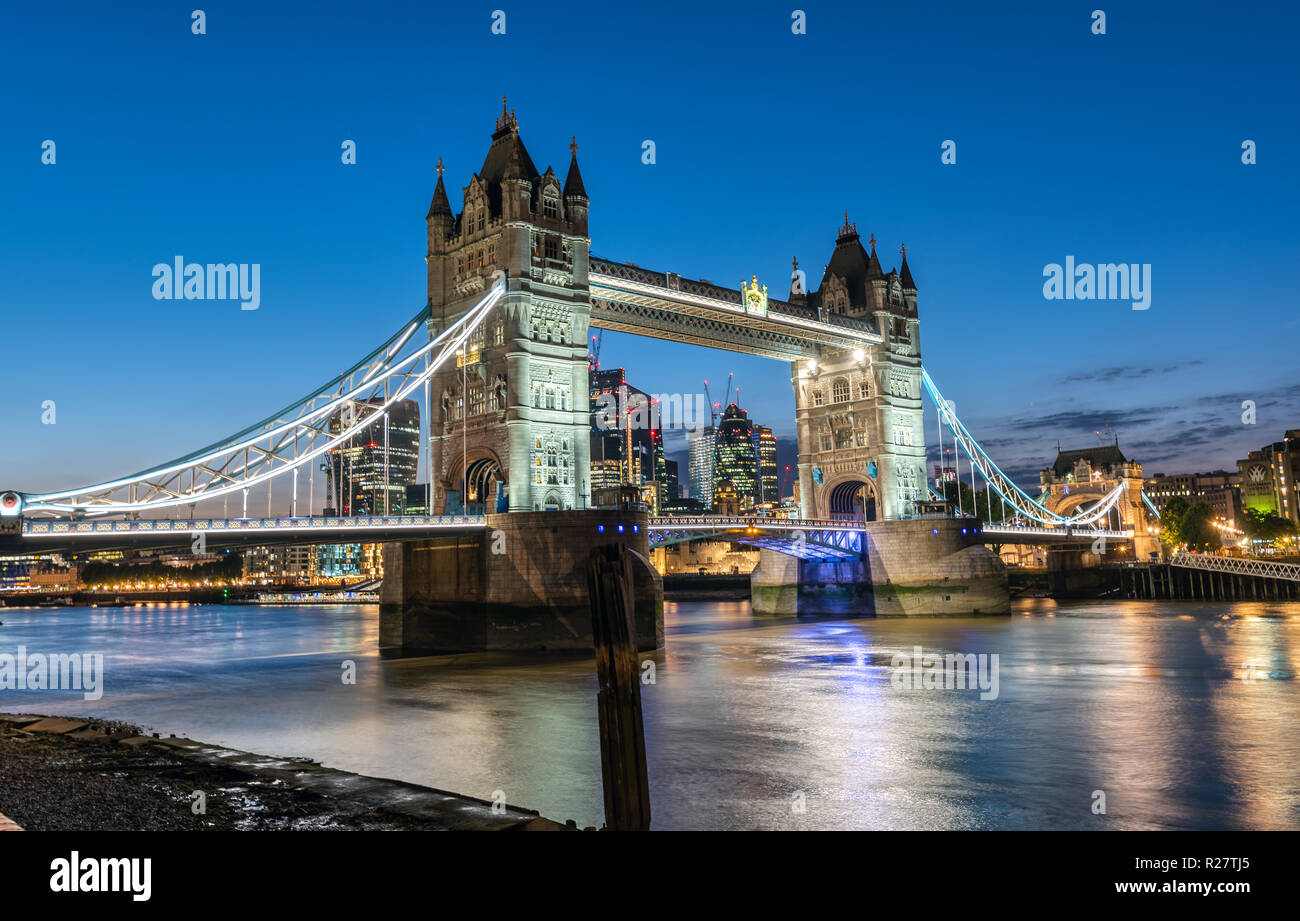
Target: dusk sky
(225,147)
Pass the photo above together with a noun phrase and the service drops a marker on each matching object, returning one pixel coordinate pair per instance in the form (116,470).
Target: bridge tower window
(840,391)
(817,399)
(864,389)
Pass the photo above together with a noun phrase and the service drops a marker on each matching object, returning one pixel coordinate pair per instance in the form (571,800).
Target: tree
(1171,520)
(1266,527)
(1183,523)
(1198,531)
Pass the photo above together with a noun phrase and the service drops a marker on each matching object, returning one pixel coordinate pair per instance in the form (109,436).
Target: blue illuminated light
(600,529)
(620,529)
(935,531)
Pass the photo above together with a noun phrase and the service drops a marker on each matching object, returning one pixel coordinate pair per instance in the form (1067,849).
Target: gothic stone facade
(859,414)
(514,407)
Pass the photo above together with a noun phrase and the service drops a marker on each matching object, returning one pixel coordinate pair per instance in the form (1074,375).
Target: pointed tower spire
(506,121)
(873,263)
(440,205)
(573,187)
(905,274)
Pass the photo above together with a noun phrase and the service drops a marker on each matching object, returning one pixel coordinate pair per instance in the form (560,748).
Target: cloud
(1107,375)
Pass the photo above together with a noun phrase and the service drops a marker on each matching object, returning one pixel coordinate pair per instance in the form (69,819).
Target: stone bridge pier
(912,567)
(520,586)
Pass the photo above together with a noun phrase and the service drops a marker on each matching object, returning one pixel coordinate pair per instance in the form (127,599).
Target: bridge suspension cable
(1024,504)
(284,441)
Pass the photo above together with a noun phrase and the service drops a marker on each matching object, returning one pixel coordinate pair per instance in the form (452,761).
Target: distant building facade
(1269,477)
(701,445)
(368,474)
(736,461)
(767,489)
(1219,489)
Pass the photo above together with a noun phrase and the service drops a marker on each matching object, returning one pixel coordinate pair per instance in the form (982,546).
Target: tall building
(766,484)
(736,460)
(369,473)
(1269,477)
(701,443)
(512,413)
(626,448)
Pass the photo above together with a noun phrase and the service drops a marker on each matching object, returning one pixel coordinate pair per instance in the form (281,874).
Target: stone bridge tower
(859,414)
(510,419)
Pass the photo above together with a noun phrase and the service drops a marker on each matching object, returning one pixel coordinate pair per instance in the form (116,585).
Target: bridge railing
(38,528)
(1114,533)
(784,524)
(1237,565)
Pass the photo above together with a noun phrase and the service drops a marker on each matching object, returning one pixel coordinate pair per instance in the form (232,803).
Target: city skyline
(337,243)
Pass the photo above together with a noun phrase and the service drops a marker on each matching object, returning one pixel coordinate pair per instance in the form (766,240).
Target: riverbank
(67,774)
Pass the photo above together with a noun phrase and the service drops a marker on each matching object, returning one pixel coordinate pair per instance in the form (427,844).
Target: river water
(1182,715)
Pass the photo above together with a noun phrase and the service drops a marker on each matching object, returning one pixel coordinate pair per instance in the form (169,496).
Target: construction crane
(715,409)
(593,354)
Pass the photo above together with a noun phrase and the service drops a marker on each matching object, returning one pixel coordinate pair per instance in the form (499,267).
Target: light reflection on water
(1143,701)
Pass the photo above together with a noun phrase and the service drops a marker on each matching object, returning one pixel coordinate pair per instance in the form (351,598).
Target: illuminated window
(840,391)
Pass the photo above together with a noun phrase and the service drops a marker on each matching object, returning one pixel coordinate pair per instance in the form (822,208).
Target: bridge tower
(511,417)
(858,413)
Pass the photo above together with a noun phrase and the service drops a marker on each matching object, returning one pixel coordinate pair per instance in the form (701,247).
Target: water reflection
(1145,702)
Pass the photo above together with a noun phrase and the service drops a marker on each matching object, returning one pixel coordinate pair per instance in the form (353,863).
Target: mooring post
(622,733)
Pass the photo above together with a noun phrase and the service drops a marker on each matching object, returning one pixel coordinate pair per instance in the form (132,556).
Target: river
(1182,715)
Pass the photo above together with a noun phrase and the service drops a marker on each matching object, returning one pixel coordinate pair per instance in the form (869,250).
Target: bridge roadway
(808,539)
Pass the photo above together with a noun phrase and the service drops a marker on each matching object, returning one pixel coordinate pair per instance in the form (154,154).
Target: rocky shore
(59,774)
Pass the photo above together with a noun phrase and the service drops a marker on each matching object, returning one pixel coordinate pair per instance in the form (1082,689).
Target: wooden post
(622,733)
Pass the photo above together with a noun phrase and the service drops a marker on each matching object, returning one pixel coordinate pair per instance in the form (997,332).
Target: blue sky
(225,147)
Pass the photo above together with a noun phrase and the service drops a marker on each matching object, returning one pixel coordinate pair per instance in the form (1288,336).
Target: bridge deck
(836,538)
(663,305)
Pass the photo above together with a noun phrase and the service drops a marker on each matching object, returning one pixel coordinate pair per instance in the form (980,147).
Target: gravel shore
(90,775)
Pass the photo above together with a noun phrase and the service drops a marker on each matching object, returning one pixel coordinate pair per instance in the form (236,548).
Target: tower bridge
(499,355)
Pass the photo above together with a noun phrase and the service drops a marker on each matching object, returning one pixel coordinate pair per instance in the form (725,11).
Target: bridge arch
(1079,499)
(851,497)
(481,474)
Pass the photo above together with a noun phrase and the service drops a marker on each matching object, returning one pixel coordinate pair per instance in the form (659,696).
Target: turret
(440,218)
(575,193)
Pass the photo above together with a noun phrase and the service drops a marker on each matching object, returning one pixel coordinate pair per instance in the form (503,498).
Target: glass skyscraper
(736,458)
(358,480)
